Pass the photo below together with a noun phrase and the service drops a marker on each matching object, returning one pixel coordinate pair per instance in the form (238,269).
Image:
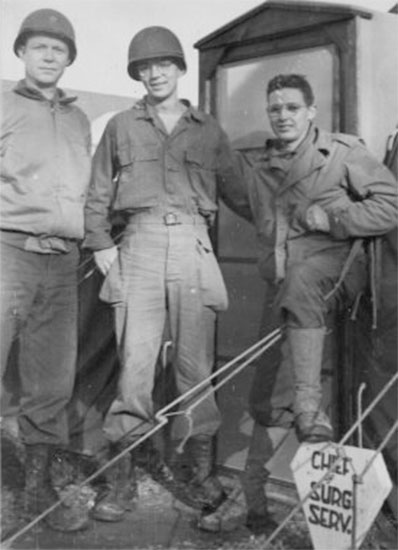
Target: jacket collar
(312,154)
(323,142)
(23,89)
(320,139)
(143,110)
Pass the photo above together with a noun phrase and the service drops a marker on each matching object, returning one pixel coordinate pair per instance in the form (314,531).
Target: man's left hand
(317,218)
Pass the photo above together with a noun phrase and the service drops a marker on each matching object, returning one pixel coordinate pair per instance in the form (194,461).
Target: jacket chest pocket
(201,167)
(197,158)
(129,156)
(139,176)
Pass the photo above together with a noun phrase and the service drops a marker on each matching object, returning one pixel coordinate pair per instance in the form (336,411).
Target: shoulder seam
(347,139)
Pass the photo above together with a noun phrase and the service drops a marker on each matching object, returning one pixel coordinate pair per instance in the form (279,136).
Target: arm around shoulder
(232,184)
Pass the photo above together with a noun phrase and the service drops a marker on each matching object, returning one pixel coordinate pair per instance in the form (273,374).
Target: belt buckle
(170,219)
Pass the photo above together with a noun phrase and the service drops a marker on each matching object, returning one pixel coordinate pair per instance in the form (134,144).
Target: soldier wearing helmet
(45,167)
(158,164)
(153,43)
(47,22)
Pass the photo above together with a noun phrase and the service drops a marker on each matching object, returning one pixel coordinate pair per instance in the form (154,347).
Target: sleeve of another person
(101,194)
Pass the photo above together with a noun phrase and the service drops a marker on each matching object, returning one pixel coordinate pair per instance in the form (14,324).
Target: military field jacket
(137,166)
(45,164)
(335,171)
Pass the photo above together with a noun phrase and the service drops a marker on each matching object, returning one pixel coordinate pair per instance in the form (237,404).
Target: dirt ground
(158,521)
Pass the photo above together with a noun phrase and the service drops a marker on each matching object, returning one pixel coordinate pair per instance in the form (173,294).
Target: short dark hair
(297,81)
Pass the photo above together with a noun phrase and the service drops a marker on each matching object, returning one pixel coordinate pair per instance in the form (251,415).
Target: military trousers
(38,310)
(164,273)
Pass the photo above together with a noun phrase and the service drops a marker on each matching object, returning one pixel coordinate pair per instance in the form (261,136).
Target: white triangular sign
(341,509)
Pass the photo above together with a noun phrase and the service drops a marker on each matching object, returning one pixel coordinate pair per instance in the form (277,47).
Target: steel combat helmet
(153,42)
(48,22)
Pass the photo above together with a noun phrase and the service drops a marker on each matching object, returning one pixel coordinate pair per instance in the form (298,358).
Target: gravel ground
(159,520)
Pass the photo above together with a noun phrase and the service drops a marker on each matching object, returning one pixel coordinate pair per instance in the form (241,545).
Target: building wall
(377,80)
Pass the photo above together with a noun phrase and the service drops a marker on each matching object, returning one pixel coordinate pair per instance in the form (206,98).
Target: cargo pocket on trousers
(112,288)
(213,290)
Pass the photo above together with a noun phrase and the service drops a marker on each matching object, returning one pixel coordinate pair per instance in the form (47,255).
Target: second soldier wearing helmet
(166,158)
(154,43)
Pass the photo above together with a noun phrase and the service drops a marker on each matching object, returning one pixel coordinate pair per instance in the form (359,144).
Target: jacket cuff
(337,225)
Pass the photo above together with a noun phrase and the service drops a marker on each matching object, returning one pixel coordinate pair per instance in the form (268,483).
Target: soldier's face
(160,77)
(45,60)
(289,115)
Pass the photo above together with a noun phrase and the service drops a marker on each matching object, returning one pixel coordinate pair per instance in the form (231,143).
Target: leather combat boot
(306,348)
(119,491)
(39,494)
(182,463)
(205,487)
(150,459)
(253,480)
